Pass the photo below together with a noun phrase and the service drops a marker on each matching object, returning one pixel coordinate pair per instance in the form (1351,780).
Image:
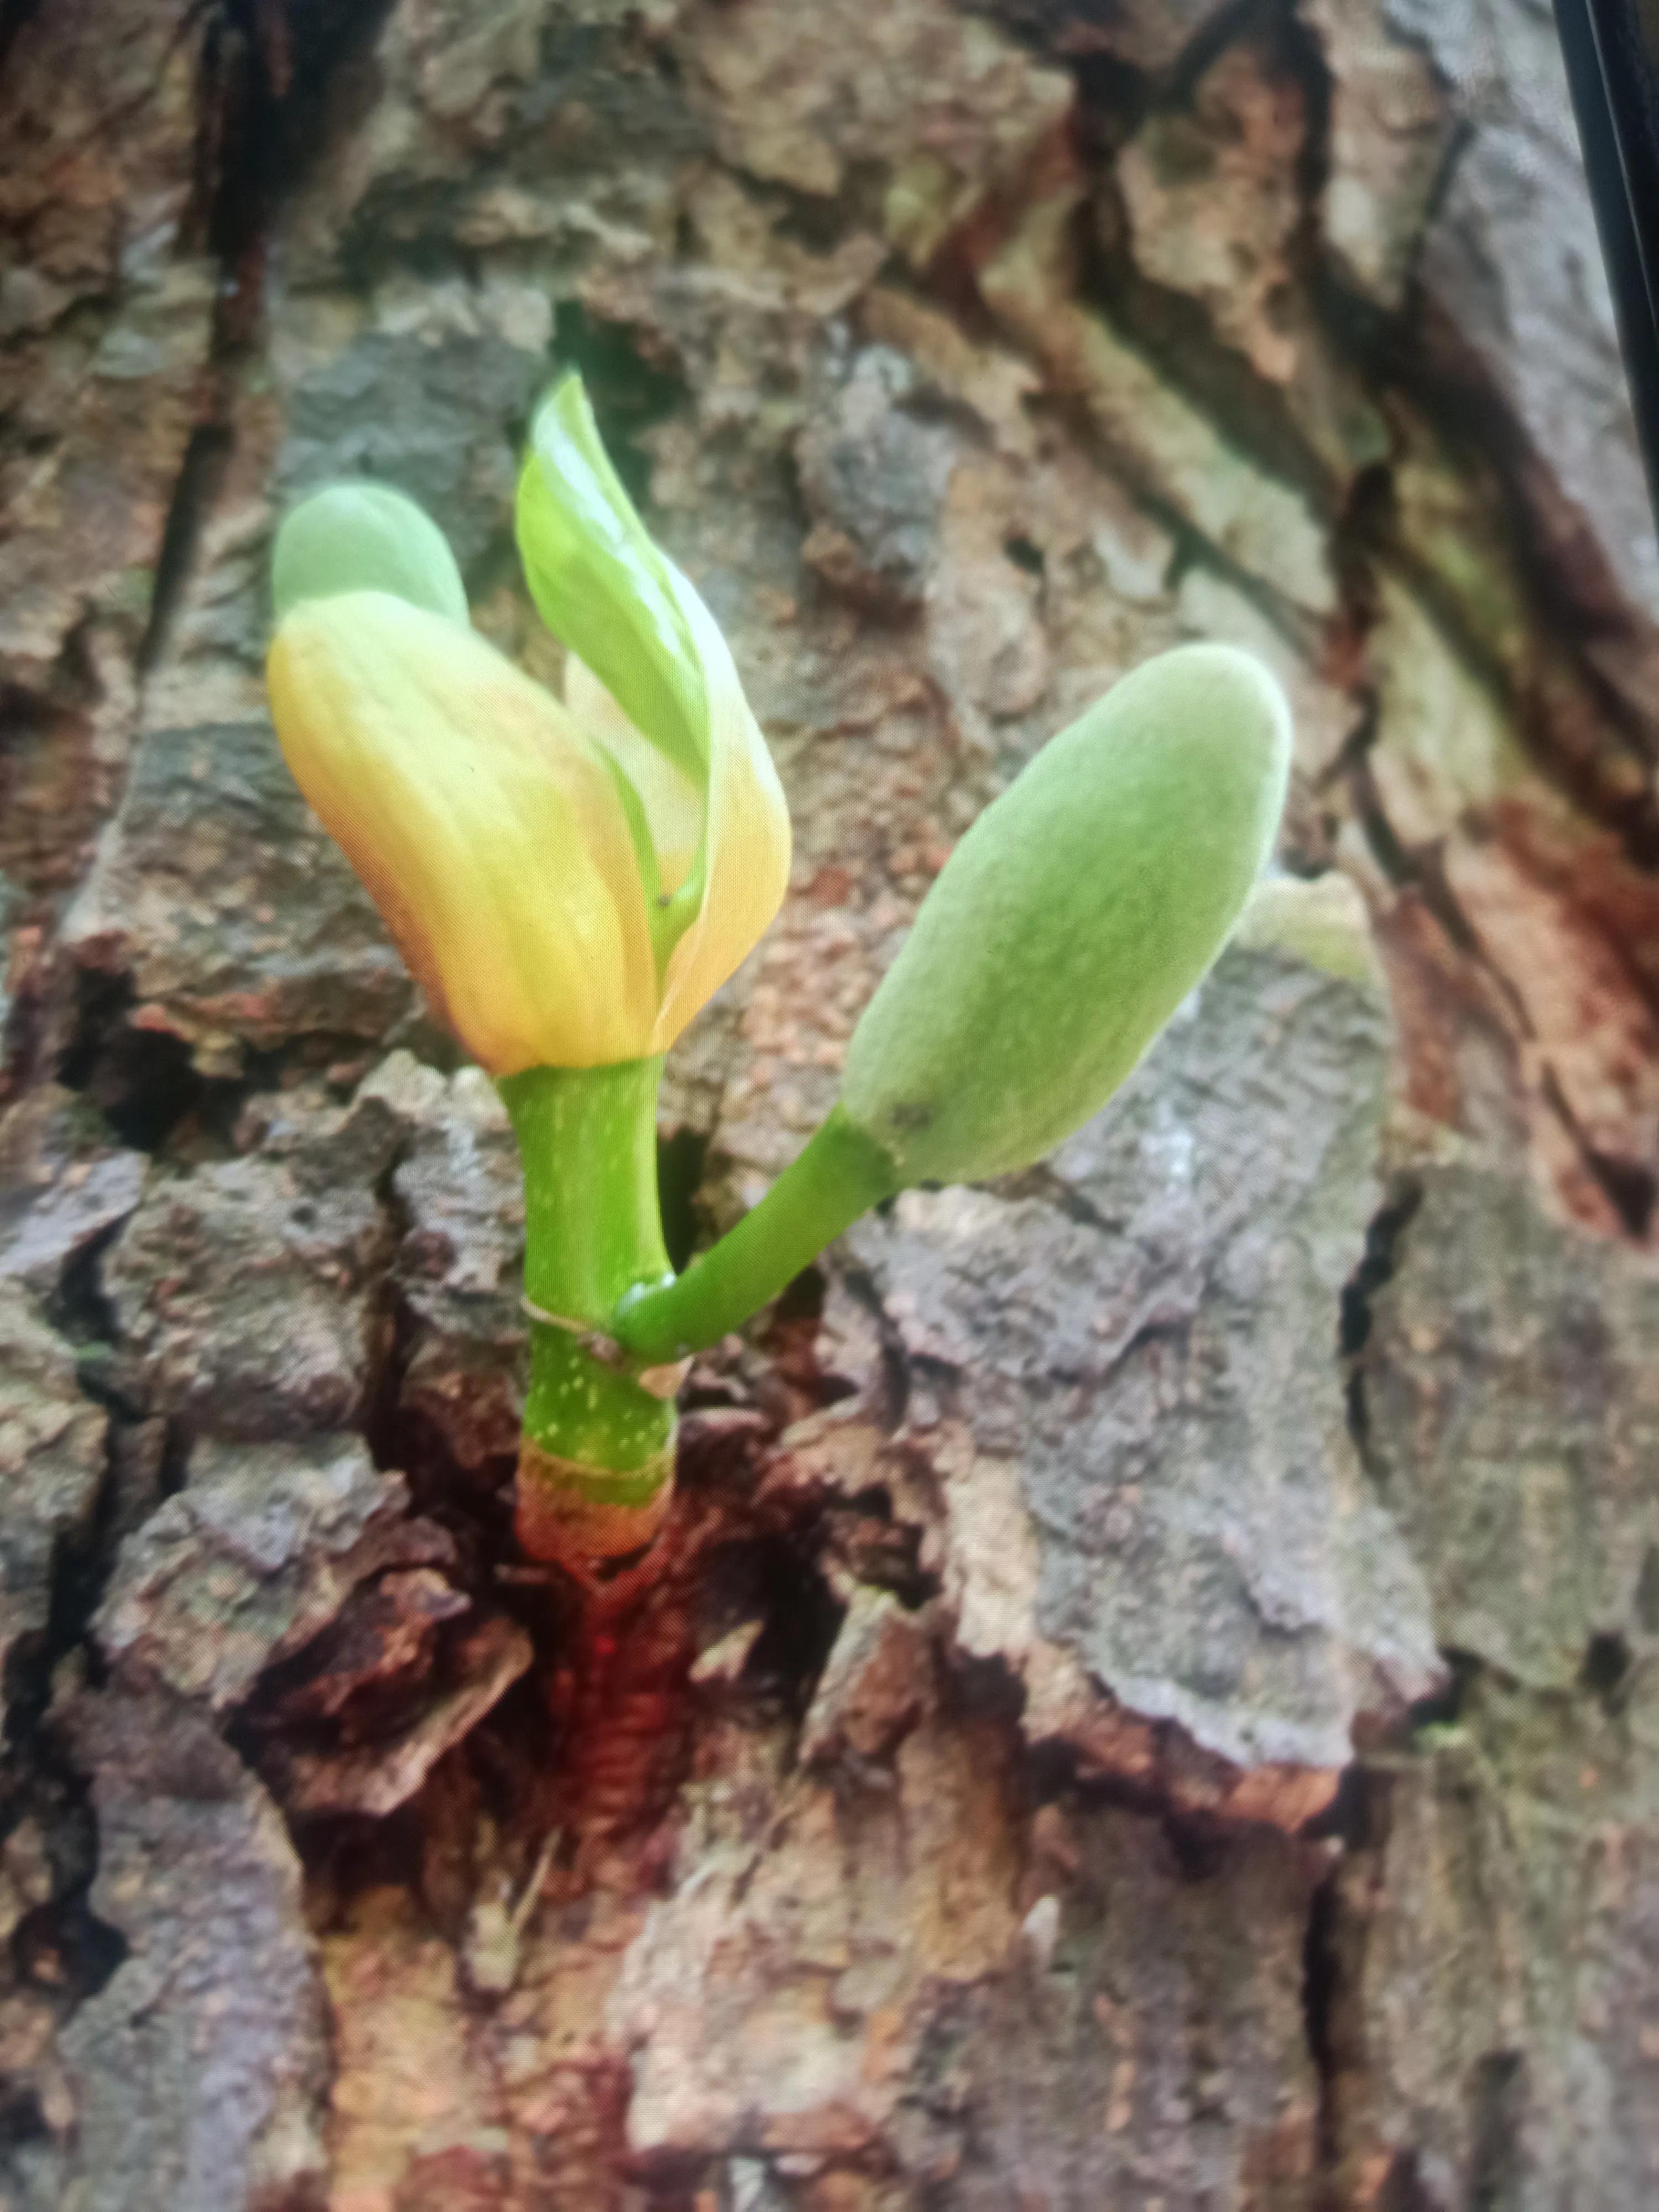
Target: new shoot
(570,878)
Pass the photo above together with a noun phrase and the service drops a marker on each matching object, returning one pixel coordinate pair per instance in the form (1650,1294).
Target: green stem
(597,1459)
(841,1175)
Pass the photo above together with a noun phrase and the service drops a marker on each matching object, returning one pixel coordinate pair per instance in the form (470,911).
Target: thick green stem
(598,1455)
(841,1175)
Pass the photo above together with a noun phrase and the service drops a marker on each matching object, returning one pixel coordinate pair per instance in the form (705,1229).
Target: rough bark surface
(1152,1698)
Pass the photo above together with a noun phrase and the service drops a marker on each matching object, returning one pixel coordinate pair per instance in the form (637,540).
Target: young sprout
(570,879)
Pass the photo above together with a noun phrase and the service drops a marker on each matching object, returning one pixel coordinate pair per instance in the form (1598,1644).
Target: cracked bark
(1150,1701)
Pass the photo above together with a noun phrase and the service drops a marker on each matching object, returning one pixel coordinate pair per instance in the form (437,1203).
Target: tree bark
(1150,1701)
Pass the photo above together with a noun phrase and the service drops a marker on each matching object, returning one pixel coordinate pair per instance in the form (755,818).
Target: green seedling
(571,878)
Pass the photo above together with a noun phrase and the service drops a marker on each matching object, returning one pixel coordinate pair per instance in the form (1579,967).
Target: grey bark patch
(458,1268)
(51,1462)
(1152,1339)
(426,410)
(243,1289)
(247,1563)
(1514,1408)
(1194,2065)
(63,1186)
(874,478)
(237,917)
(200,2068)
